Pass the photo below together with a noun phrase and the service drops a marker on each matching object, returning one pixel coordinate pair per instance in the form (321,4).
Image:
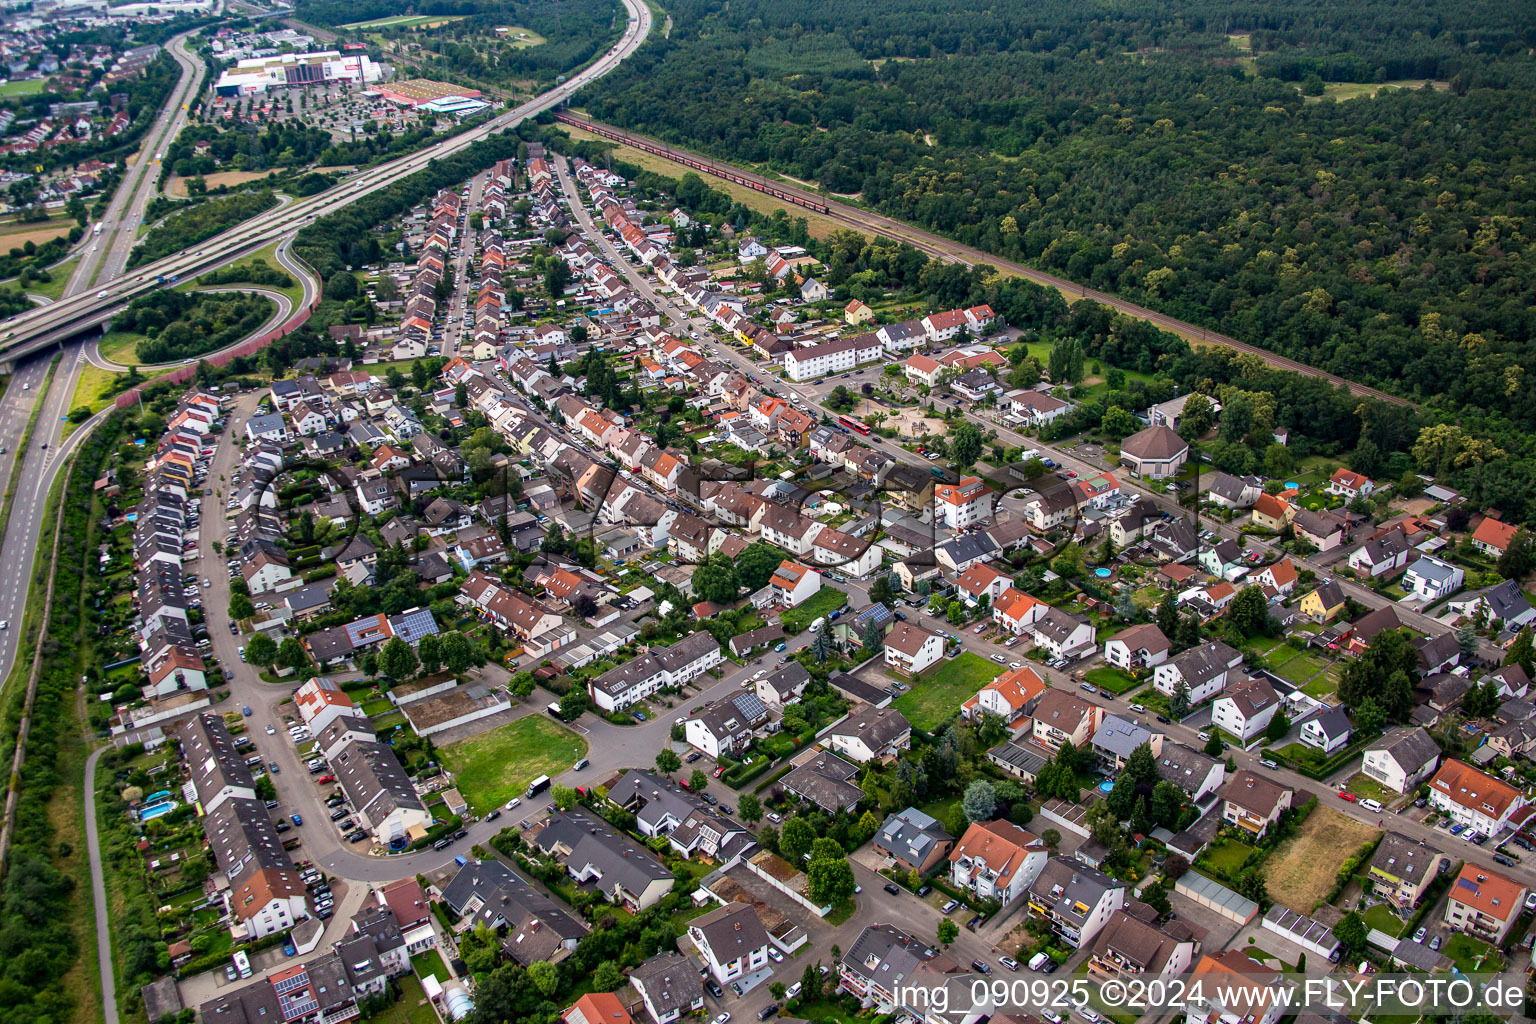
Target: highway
(37,329)
(107,254)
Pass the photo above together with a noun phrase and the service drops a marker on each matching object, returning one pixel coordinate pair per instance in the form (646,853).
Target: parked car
(950,907)
(298,820)
(892,888)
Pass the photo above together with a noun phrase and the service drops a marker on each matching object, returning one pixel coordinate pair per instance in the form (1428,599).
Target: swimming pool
(1106,786)
(1102,574)
(1292,485)
(155,798)
(158,810)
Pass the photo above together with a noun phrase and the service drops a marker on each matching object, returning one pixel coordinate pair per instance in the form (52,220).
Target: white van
(815,627)
(1039,960)
(1374,806)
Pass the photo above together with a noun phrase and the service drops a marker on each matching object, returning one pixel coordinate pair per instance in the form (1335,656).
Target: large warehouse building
(258,74)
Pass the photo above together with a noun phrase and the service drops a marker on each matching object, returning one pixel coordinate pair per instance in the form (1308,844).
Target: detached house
(1253,803)
(1128,947)
(871,734)
(1245,708)
(1204,670)
(997,860)
(732,941)
(1402,869)
(1137,647)
(1074,899)
(911,649)
(1061,718)
(1483,904)
(1430,579)
(1350,485)
(1012,697)
(913,841)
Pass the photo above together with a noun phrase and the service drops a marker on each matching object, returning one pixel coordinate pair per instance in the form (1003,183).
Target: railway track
(945,249)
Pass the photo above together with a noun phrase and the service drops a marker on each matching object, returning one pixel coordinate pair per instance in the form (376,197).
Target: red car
(1071,475)
(1347,796)
(719,771)
(322,780)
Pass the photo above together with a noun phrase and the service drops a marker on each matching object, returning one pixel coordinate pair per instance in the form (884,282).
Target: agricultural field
(496,766)
(1302,869)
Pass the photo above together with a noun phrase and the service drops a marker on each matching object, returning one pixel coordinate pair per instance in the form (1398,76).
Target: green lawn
(430,962)
(936,697)
(1364,785)
(1466,951)
(493,768)
(822,603)
(24,88)
(1227,857)
(120,347)
(1114,680)
(1383,920)
(413,1007)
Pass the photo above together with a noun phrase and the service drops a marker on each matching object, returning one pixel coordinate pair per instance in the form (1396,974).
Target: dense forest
(1187,156)
(181,325)
(1381,238)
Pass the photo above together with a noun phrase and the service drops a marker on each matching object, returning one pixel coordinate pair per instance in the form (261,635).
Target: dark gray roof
(910,835)
(669,982)
(493,894)
(825,781)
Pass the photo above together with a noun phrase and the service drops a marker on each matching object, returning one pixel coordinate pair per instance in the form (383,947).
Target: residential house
(913,841)
(997,860)
(981,582)
(1483,904)
(1118,738)
(1402,868)
(1063,634)
(668,986)
(870,734)
(793,584)
(726,726)
(1350,485)
(1016,611)
(1233,988)
(1196,773)
(533,926)
(825,780)
(1329,730)
(1493,536)
(1076,900)
(1204,670)
(1253,803)
(1323,530)
(1128,947)
(911,649)
(963,504)
(1474,799)
(1325,603)
(731,941)
(1234,492)
(1245,708)
(597,855)
(1271,512)
(1060,717)
(1012,697)
(1381,556)
(1503,602)
(1431,579)
(1137,647)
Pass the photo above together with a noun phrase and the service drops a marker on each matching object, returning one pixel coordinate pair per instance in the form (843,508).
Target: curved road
(284,309)
(951,251)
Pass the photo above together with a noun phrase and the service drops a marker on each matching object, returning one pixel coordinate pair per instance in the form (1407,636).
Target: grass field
(120,347)
(1468,953)
(1355,90)
(819,226)
(1114,680)
(824,602)
(230,178)
(269,255)
(29,87)
(1383,920)
(406,21)
(14,235)
(937,697)
(494,767)
(60,275)
(413,1007)
(1302,869)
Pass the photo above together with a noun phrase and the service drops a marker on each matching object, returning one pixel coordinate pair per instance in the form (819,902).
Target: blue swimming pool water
(154,798)
(1102,574)
(1292,485)
(158,810)
(1106,785)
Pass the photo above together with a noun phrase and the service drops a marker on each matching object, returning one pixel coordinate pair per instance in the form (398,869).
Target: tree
(1168,615)
(1466,640)
(341,287)
(1156,897)
(544,977)
(1522,652)
(261,650)
(756,565)
(457,650)
(398,659)
(874,636)
(1351,933)
(698,781)
(1141,766)
(979,802)
(1118,423)
(1051,838)
(810,982)
(241,607)
(955,613)
(1197,418)
(1279,725)
(1213,746)
(1369,717)
(291,654)
(574,703)
(796,838)
(1386,673)
(829,880)
(948,931)
(821,646)
(563,796)
(1251,883)
(714,579)
(607,977)
(1518,558)
(777,989)
(667,760)
(1482,701)
(965,444)
(1249,612)
(1178,704)
(429,650)
(749,807)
